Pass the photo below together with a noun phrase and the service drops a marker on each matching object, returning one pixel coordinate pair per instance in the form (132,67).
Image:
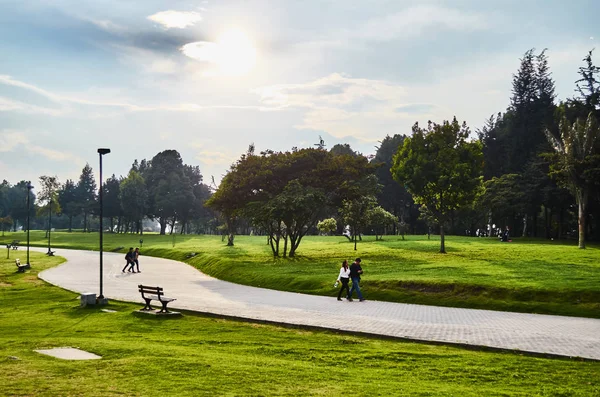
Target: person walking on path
(136,259)
(355,272)
(129,260)
(344,278)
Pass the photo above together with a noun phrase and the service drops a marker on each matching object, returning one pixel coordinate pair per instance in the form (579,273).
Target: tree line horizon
(534,167)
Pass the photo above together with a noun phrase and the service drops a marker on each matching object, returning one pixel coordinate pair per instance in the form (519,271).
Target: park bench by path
(154,293)
(21,267)
(15,244)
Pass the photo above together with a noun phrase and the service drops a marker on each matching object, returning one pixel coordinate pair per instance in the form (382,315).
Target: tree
(575,148)
(86,194)
(341,149)
(379,220)
(392,196)
(49,196)
(440,168)
(286,193)
(166,186)
(111,200)
(589,93)
(134,198)
(327,226)
(67,198)
(355,211)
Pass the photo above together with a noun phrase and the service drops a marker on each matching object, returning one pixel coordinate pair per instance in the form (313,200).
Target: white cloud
(233,54)
(176,19)
(344,106)
(10,139)
(92,105)
(55,155)
(414,21)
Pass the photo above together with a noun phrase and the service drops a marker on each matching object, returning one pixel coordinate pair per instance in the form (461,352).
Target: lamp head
(103,151)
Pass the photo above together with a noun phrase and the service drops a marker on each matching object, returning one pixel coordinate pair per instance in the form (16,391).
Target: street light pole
(101,152)
(50,224)
(29,187)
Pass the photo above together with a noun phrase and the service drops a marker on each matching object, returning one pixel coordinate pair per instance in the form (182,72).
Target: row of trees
(162,189)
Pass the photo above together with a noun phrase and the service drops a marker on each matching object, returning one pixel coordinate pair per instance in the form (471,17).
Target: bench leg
(147,307)
(21,269)
(164,307)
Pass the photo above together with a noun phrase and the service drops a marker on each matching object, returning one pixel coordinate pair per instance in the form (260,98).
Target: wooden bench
(15,244)
(21,267)
(154,293)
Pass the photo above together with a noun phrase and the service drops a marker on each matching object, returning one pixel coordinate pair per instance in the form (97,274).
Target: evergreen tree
(86,194)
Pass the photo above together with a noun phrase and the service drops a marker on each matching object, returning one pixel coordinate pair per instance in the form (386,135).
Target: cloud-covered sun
(233,54)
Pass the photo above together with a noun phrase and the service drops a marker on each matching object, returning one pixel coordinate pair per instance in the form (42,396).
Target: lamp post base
(101,300)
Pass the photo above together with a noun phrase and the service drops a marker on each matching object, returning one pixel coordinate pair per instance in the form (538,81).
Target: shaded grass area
(195,355)
(536,276)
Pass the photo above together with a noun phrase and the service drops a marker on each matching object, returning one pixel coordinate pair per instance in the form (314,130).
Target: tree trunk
(285,244)
(354,241)
(582,197)
(230,238)
(442,242)
(525,226)
(163,225)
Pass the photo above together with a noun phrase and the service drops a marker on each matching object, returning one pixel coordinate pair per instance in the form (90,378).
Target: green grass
(537,276)
(195,355)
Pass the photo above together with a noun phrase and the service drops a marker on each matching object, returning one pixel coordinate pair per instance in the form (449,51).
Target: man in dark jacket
(355,272)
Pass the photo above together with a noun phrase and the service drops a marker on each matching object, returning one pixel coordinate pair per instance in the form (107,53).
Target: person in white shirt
(344,277)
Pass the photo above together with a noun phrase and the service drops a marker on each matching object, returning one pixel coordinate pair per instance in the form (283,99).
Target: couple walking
(132,258)
(350,272)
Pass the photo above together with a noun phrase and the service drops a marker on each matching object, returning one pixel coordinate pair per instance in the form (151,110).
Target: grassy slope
(195,355)
(530,276)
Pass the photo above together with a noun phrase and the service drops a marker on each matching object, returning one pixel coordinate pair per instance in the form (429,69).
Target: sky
(209,78)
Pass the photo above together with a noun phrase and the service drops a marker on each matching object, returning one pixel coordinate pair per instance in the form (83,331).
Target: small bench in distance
(15,244)
(21,267)
(154,293)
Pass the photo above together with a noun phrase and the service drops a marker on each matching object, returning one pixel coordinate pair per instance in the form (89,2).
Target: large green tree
(441,168)
(286,193)
(67,198)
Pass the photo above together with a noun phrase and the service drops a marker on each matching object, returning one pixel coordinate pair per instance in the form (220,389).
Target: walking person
(344,278)
(355,273)
(129,260)
(136,259)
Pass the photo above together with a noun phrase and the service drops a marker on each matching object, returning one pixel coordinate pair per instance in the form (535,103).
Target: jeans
(355,286)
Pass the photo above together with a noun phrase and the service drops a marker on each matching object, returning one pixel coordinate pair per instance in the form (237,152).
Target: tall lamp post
(101,152)
(29,187)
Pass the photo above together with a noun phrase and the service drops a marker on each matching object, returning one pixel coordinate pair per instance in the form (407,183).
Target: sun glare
(236,54)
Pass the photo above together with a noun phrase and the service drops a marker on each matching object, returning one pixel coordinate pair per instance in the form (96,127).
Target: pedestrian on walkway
(344,278)
(136,259)
(355,273)
(129,260)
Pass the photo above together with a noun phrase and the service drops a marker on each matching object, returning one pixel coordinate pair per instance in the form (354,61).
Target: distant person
(506,234)
(136,259)
(355,273)
(129,260)
(344,278)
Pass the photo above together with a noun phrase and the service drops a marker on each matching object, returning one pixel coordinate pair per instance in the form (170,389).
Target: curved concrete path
(566,336)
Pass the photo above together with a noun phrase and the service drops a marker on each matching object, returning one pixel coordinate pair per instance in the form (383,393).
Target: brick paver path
(568,336)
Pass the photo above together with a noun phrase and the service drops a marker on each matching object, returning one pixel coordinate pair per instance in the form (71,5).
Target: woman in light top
(344,277)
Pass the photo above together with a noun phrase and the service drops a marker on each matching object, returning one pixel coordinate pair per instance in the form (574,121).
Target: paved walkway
(567,336)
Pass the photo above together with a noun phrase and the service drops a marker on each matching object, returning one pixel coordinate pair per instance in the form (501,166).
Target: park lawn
(536,276)
(197,355)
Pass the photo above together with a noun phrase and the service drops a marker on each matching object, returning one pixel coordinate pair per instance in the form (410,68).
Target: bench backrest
(145,289)
(18,262)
